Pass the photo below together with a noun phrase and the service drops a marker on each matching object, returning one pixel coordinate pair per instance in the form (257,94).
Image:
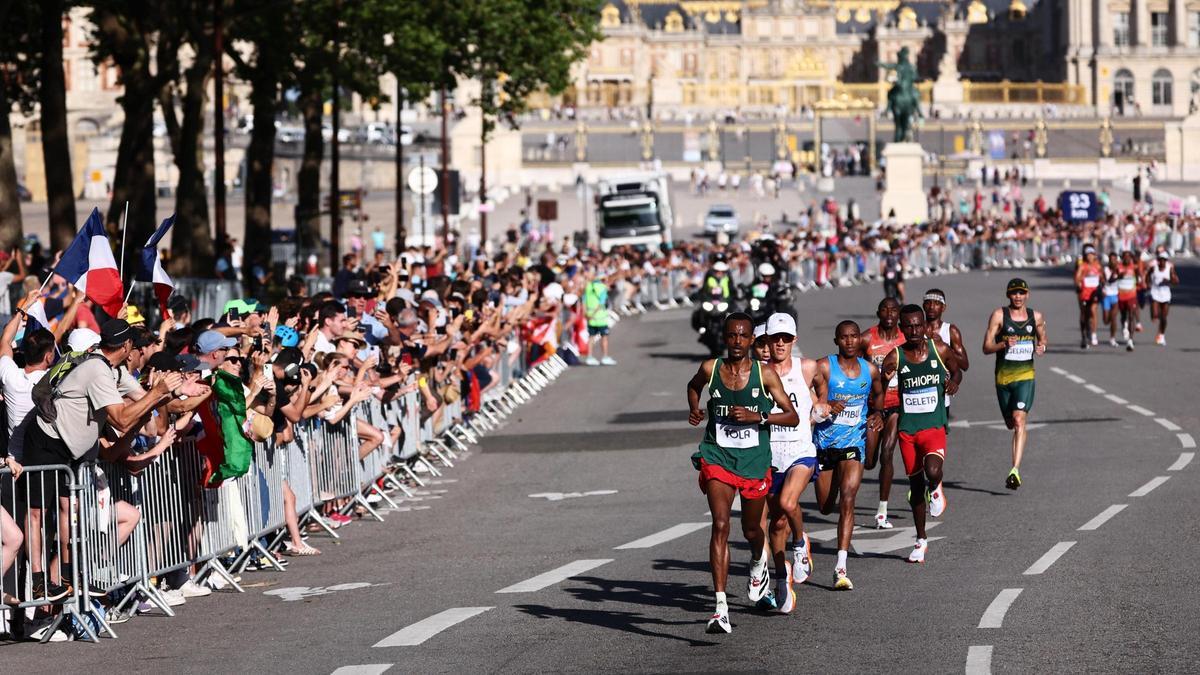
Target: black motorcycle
(709,318)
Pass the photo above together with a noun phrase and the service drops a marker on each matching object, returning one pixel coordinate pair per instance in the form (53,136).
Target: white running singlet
(1160,284)
(789,444)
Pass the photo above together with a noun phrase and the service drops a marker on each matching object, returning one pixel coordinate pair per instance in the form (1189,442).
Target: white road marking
(673,532)
(993,616)
(1168,424)
(1185,458)
(1095,523)
(554,576)
(1186,440)
(1094,389)
(1145,489)
(559,496)
(364,669)
(979,660)
(1116,399)
(424,629)
(1076,379)
(1058,370)
(1043,563)
(1141,411)
(997,425)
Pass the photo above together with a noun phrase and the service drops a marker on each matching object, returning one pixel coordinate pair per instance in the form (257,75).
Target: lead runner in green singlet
(735,455)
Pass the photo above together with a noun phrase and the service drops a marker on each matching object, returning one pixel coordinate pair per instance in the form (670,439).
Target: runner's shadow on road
(961,486)
(628,622)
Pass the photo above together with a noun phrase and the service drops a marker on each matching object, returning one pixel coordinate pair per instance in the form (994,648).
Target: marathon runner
(735,454)
(1127,296)
(793,461)
(850,385)
(1088,276)
(1015,334)
(1160,278)
(935,307)
(879,341)
(927,369)
(762,350)
(1109,304)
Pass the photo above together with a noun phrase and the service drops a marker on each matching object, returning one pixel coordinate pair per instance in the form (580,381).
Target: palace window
(1193,29)
(1159,23)
(1120,29)
(1160,87)
(1123,87)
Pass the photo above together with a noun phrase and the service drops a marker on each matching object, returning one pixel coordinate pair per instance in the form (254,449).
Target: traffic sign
(1077,206)
(422,180)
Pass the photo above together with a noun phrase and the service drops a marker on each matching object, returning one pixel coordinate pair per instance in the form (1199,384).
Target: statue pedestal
(905,191)
(1183,149)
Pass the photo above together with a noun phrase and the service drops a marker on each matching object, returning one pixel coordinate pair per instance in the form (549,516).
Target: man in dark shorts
(735,454)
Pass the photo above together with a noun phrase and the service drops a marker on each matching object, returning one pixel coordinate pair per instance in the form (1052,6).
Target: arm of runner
(787,417)
(694,388)
(956,343)
(874,404)
(1040,321)
(822,387)
(879,393)
(990,346)
(1079,277)
(950,360)
(820,409)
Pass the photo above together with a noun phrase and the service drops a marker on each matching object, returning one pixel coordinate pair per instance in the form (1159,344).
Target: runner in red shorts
(735,455)
(926,370)
(879,341)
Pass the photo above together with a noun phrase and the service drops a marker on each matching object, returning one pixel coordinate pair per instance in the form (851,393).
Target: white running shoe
(608,361)
(592,361)
(882,522)
(937,502)
(918,552)
(191,589)
(1094,340)
(173,597)
(758,586)
(801,565)
(719,623)
(841,582)
(1112,342)
(1125,333)
(787,595)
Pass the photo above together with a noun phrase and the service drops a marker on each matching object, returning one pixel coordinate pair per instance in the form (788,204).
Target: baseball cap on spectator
(190,363)
(134,315)
(359,288)
(166,362)
(244,306)
(570,299)
(82,339)
(210,341)
(432,298)
(553,290)
(115,332)
(781,324)
(288,337)
(352,337)
(720,266)
(404,294)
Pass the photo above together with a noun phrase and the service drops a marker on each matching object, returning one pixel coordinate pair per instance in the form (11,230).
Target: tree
(56,147)
(17,71)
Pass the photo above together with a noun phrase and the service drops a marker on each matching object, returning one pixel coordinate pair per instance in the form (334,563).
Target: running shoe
(1095,341)
(1014,479)
(191,589)
(801,567)
(1129,346)
(1113,342)
(937,502)
(788,602)
(918,552)
(608,361)
(758,585)
(118,616)
(1125,333)
(1083,343)
(1160,340)
(841,582)
(719,623)
(882,522)
(592,361)
(50,591)
(767,603)
(1138,327)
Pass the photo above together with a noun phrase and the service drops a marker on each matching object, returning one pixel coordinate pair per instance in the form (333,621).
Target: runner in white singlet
(934,304)
(1159,278)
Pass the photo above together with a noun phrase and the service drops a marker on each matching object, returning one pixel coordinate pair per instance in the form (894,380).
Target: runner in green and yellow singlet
(735,455)
(1015,334)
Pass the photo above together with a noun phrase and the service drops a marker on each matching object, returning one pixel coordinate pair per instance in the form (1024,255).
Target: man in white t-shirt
(17,382)
(8,278)
(331,322)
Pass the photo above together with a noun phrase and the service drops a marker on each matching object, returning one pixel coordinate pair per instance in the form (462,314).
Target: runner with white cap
(762,350)
(1160,277)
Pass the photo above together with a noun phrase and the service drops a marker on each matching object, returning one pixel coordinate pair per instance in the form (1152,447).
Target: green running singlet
(742,449)
(922,391)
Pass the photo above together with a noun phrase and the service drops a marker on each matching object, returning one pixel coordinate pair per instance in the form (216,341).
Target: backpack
(47,388)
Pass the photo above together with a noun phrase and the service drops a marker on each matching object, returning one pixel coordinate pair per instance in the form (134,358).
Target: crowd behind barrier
(273,427)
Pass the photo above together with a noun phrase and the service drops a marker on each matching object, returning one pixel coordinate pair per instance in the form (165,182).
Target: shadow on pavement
(629,622)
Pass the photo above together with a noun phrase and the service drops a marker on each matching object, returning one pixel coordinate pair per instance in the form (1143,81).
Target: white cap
(570,299)
(781,324)
(766,269)
(720,266)
(760,330)
(83,339)
(406,295)
(553,290)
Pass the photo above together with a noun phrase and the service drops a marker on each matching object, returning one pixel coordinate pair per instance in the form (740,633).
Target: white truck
(634,210)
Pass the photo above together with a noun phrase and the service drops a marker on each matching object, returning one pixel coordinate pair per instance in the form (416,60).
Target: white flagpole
(132,283)
(124,231)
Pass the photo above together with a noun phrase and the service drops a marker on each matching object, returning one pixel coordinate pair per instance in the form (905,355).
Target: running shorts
(891,410)
(778,477)
(1090,296)
(1161,294)
(914,448)
(828,458)
(749,488)
(1127,304)
(1141,297)
(1014,397)
(1109,302)
(597,331)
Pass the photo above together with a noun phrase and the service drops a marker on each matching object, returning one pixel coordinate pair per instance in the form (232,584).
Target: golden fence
(1023,92)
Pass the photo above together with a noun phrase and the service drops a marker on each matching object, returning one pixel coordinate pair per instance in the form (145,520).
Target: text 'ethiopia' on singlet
(1015,363)
(922,391)
(847,429)
(741,448)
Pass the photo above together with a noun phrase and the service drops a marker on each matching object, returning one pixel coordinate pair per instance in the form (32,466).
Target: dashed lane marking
(1149,486)
(1116,399)
(1186,440)
(1058,370)
(673,532)
(1076,379)
(554,576)
(1168,424)
(979,660)
(1094,389)
(993,616)
(1105,515)
(364,669)
(1043,563)
(1140,410)
(1185,458)
(424,629)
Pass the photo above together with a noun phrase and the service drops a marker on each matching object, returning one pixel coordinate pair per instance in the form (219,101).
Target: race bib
(1091,281)
(1022,351)
(920,400)
(737,435)
(849,417)
(1127,284)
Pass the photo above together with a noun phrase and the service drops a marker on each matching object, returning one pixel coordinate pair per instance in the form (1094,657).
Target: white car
(720,218)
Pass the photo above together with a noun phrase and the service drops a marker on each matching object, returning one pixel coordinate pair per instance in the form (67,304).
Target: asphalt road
(1120,599)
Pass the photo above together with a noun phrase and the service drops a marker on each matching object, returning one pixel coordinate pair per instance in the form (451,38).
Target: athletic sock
(757,567)
(921,542)
(841,563)
(882,509)
(722,604)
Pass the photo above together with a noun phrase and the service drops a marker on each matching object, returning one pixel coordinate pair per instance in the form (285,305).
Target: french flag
(88,263)
(152,270)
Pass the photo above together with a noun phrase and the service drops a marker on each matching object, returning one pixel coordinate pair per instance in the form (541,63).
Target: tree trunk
(11,231)
(192,232)
(260,158)
(308,227)
(133,179)
(56,145)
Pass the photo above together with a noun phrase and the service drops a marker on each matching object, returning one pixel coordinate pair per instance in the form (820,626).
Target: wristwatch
(764,417)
